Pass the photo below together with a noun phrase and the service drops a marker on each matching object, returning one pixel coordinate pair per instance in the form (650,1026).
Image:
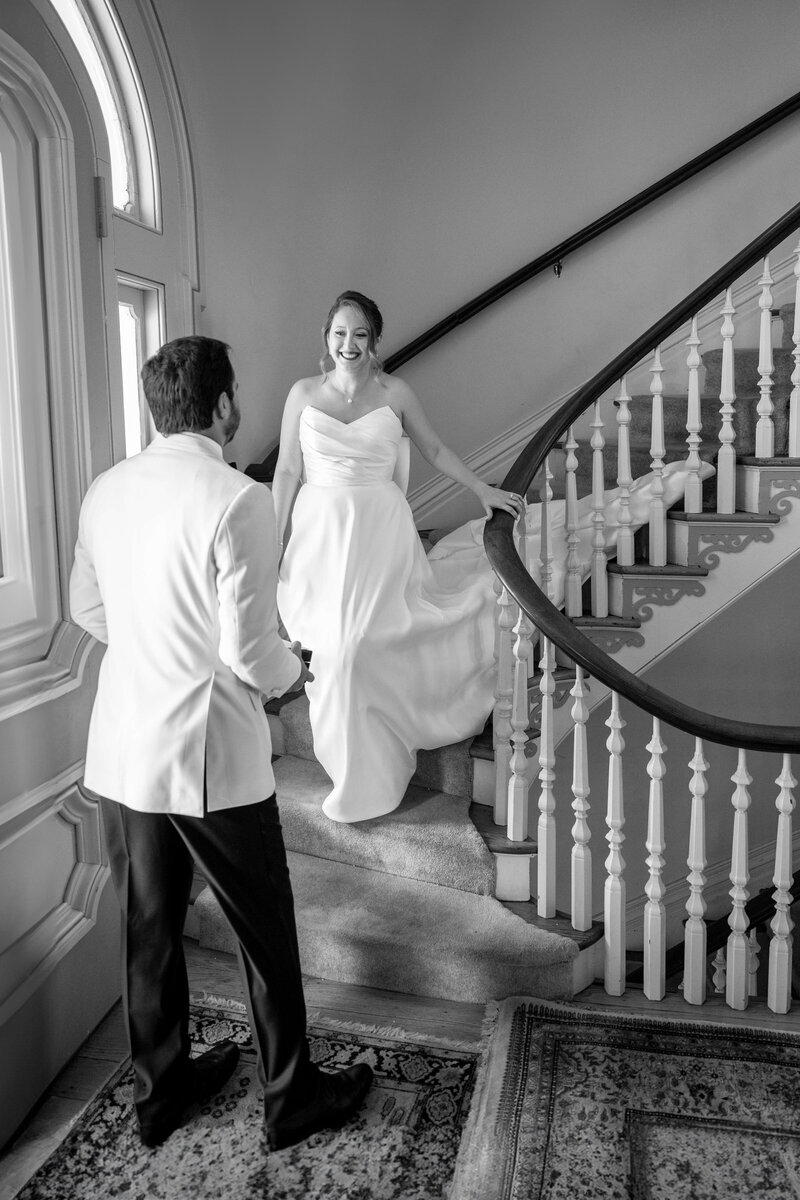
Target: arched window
(75,328)
(142,156)
(99,38)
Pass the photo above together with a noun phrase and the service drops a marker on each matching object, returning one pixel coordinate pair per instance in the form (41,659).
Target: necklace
(348,397)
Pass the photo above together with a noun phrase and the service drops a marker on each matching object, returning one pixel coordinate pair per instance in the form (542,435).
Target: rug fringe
(317,1017)
(396,1033)
(212,1000)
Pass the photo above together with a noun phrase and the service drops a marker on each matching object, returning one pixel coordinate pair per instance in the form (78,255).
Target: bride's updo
(372,319)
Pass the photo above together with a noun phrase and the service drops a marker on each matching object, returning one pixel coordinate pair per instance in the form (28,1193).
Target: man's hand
(304,676)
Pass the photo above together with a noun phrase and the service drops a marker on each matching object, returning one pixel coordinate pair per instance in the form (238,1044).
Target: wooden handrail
(554,258)
(501,552)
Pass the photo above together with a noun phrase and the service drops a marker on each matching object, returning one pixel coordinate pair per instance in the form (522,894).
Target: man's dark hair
(184,380)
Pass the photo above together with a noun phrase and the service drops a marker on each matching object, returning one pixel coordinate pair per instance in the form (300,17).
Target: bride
(402,659)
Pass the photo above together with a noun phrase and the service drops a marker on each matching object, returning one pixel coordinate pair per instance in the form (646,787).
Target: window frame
(86,415)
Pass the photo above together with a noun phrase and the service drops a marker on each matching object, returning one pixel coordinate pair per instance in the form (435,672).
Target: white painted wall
(421,151)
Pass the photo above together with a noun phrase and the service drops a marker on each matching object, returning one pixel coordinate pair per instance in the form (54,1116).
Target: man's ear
(222,408)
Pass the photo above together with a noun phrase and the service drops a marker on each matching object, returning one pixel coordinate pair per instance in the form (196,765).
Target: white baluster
(655,917)
(694,959)
(736,993)
(793,449)
(581,834)
(527,543)
(658,512)
(599,558)
(693,495)
(625,552)
(720,971)
(752,963)
(506,620)
(726,459)
(765,429)
(614,906)
(779,989)
(520,723)
(546,837)
(546,537)
(573,597)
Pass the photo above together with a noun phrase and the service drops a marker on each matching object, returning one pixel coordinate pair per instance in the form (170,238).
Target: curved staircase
(434,899)
(408,902)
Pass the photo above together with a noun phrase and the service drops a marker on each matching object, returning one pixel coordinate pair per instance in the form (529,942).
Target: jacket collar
(191,443)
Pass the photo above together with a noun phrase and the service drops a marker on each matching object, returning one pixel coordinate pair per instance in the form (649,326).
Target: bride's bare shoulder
(397,388)
(304,391)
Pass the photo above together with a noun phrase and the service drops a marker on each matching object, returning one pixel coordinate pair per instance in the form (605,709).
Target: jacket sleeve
(85,602)
(246,558)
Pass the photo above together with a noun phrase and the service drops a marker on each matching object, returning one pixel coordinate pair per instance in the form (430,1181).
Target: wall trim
(52,938)
(59,672)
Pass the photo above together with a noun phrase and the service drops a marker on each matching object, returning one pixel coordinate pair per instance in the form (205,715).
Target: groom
(175,570)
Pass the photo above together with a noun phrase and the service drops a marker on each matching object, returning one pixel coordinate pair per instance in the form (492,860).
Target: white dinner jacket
(176,569)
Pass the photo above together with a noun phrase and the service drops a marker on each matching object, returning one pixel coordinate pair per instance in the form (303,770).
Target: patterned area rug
(402,1144)
(577,1104)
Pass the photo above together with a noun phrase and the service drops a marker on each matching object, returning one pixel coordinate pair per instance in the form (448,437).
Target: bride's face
(348,339)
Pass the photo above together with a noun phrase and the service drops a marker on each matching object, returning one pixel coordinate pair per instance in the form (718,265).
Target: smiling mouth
(349,355)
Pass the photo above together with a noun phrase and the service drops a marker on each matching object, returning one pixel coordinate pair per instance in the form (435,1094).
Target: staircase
(435,899)
(404,902)
(408,902)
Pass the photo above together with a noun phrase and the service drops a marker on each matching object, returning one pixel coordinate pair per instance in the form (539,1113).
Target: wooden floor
(210,971)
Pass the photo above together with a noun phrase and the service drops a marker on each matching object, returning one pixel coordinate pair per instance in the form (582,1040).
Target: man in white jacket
(175,570)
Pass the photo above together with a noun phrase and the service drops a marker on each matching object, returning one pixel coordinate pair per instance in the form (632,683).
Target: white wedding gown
(401,662)
(403,645)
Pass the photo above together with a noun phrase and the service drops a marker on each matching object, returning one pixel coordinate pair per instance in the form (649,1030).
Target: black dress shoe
(208,1075)
(340,1095)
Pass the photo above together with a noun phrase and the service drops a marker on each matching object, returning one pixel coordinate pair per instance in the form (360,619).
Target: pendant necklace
(348,399)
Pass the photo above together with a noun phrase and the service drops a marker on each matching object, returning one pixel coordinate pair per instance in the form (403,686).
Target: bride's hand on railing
(492,498)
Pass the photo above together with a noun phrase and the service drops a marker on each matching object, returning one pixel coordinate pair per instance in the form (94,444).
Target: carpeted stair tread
(376,930)
(297,737)
(446,769)
(429,837)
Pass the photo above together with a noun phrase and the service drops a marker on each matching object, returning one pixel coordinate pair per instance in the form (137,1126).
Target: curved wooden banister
(555,257)
(553,624)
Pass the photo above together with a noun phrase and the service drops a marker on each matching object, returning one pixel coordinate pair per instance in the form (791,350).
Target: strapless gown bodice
(353,454)
(401,662)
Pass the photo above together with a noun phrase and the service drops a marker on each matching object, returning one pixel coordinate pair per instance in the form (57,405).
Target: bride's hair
(372,319)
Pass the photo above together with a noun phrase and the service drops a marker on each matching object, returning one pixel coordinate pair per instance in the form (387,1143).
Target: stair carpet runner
(406,902)
(402,902)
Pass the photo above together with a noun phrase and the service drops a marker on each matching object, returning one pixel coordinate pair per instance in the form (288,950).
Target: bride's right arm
(289,468)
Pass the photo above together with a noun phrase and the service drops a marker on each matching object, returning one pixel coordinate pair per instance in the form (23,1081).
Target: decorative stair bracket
(636,591)
(698,539)
(763,487)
